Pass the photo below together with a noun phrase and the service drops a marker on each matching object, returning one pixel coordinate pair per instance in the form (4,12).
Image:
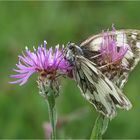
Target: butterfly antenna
(62,55)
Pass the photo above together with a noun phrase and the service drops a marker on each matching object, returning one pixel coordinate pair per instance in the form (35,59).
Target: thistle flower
(109,50)
(48,63)
(48,130)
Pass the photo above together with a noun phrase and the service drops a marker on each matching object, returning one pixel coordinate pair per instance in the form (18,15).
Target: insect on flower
(101,65)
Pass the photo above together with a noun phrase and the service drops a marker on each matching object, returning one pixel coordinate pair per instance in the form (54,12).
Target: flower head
(47,63)
(111,53)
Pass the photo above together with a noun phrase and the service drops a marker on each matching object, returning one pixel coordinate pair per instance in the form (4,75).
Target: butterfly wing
(129,38)
(98,89)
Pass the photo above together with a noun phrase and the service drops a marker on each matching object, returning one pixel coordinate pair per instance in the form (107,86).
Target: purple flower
(47,63)
(110,52)
(48,130)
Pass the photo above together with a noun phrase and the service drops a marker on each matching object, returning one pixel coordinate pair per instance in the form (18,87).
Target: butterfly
(101,81)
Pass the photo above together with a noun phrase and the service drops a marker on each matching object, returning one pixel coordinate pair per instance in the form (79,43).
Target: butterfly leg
(95,56)
(101,67)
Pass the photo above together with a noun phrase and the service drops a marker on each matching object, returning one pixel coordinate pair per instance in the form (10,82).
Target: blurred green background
(22,111)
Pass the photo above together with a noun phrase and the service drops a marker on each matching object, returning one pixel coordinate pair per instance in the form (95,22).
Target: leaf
(100,127)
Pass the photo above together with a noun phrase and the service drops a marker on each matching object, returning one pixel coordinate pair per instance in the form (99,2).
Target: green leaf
(100,127)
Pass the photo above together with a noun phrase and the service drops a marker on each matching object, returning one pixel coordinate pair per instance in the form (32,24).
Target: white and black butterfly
(100,84)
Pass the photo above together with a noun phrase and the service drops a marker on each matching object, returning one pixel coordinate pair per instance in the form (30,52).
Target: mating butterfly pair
(101,65)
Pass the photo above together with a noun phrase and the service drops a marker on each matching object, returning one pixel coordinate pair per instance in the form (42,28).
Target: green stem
(52,111)
(48,89)
(99,128)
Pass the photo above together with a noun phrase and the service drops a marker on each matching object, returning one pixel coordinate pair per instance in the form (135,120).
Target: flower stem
(49,89)
(52,111)
(99,127)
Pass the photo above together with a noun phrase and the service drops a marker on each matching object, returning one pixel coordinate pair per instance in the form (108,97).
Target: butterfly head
(72,51)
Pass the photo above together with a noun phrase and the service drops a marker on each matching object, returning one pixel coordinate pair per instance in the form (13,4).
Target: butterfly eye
(70,46)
